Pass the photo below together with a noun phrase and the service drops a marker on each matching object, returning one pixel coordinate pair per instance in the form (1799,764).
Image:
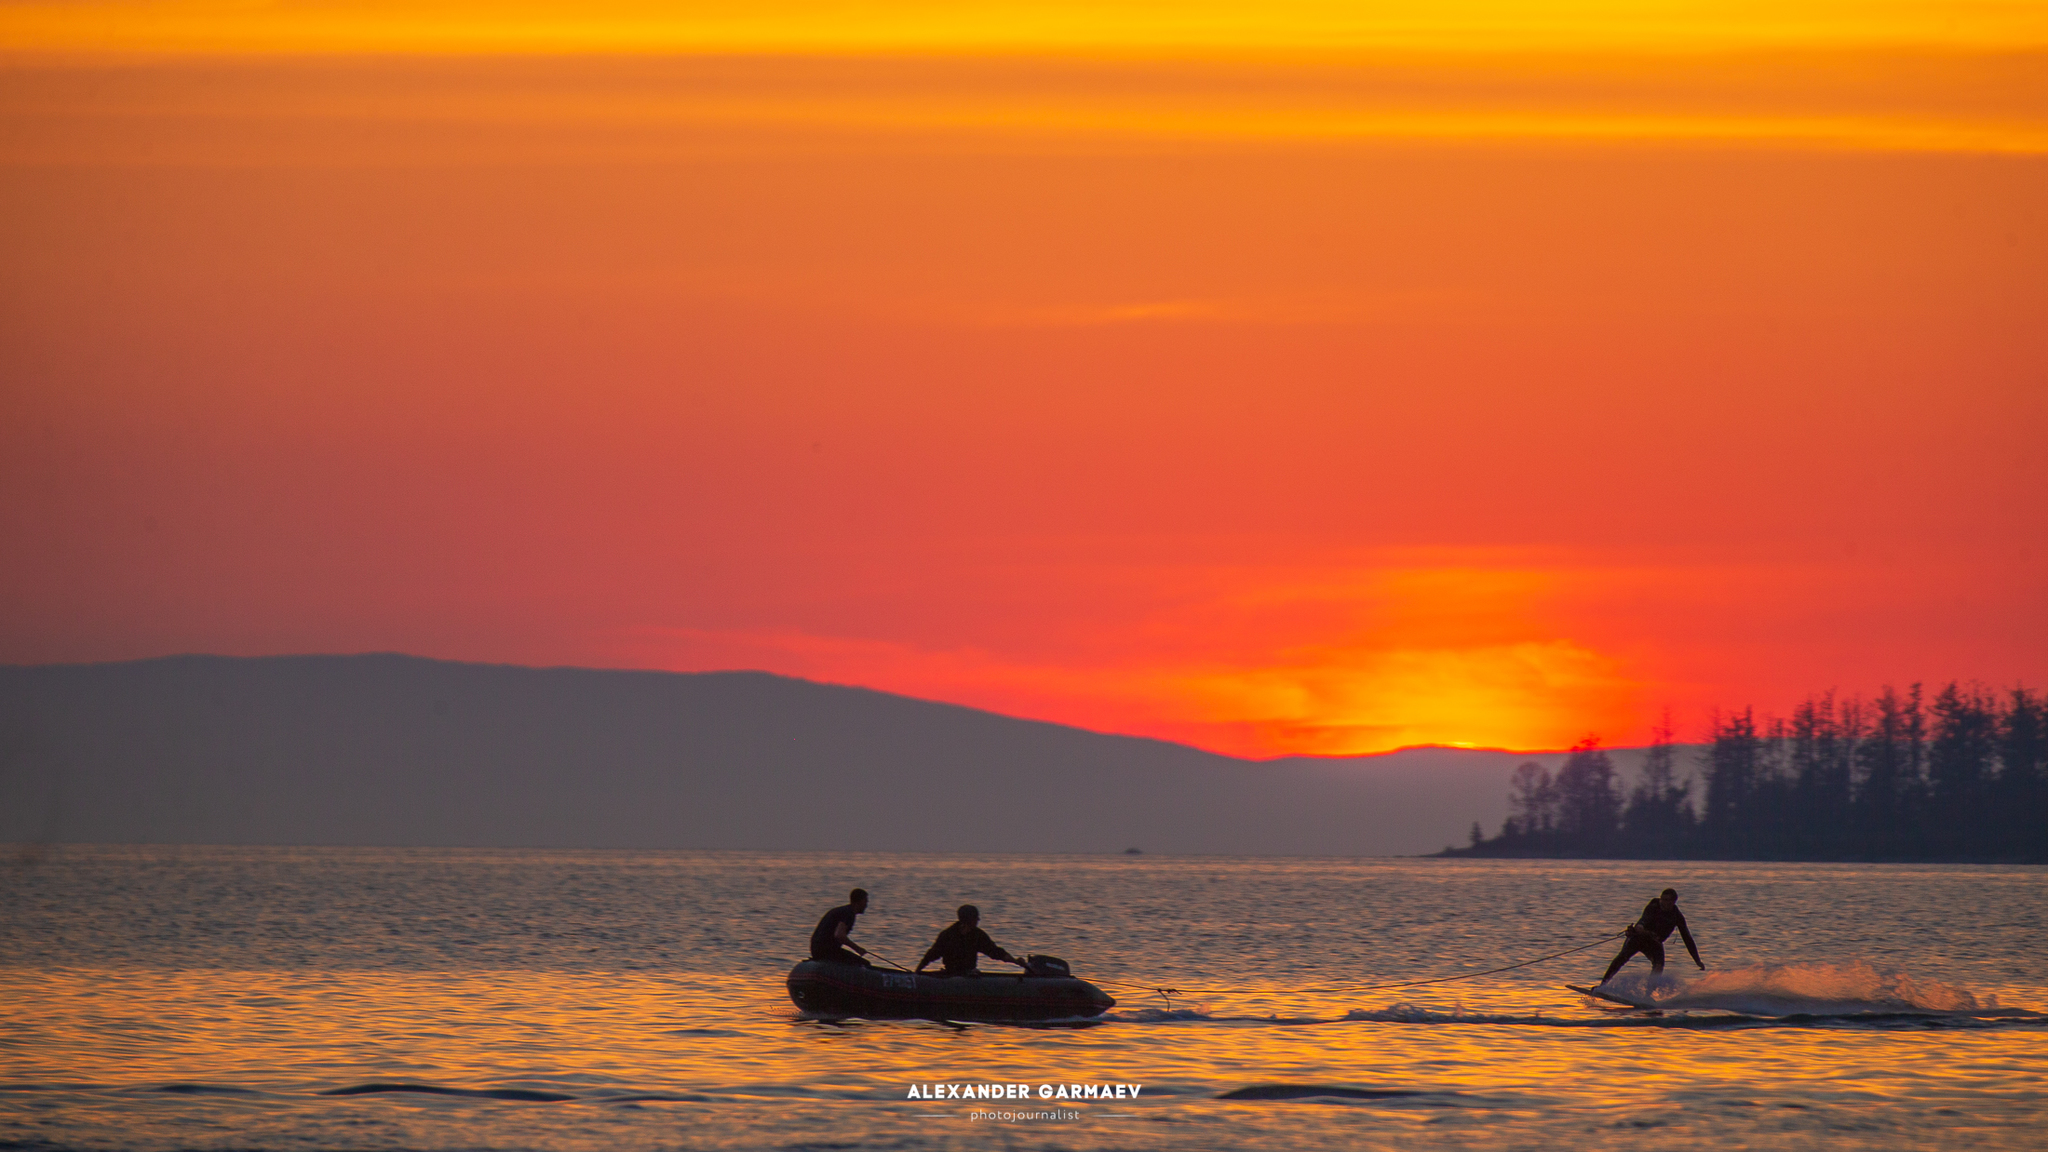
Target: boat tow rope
(1170,993)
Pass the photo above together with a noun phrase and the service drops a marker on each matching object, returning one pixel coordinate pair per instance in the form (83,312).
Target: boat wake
(1853,989)
(1621,1018)
(1702,1021)
(1855,994)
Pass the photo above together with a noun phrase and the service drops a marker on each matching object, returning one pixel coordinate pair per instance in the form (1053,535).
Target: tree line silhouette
(1964,776)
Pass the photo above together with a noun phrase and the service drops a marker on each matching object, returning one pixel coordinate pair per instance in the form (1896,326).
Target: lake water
(273,998)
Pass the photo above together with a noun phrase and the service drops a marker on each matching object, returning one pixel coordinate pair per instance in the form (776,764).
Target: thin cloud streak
(588,109)
(1131,27)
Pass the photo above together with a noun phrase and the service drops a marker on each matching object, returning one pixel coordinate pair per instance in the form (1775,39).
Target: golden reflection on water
(740,1038)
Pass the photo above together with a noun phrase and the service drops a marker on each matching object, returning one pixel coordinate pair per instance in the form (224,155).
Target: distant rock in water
(397,750)
(1134,851)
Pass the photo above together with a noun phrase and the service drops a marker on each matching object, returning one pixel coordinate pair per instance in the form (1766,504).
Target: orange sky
(1275,379)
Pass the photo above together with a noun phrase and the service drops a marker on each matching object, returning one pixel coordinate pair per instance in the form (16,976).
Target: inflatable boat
(1039,993)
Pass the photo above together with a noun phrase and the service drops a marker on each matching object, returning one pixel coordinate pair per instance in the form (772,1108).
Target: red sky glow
(1312,406)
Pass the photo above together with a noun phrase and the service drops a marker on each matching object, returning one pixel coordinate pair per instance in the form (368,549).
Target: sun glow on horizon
(1330,663)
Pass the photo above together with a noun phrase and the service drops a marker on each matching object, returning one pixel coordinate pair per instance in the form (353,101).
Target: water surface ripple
(273,998)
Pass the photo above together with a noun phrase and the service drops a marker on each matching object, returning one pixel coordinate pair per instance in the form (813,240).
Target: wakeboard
(1608,996)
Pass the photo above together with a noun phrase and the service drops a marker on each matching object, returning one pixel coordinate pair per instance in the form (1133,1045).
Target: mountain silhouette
(400,750)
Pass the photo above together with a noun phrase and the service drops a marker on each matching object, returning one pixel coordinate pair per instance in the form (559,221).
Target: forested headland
(1961,777)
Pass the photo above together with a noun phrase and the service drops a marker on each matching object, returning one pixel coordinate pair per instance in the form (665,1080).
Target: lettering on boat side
(897,980)
(1024,1091)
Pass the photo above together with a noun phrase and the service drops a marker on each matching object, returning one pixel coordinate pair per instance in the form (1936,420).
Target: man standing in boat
(962,942)
(1648,933)
(829,940)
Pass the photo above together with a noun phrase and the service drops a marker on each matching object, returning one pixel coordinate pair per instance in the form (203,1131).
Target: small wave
(1201,1016)
(1851,989)
(205,1090)
(439,1090)
(1311,1091)
(1413,1014)
(1155,1015)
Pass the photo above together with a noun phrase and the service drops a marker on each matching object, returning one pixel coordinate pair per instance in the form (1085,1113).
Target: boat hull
(877,993)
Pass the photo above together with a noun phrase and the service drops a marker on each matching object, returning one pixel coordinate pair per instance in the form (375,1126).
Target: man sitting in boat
(1648,933)
(962,942)
(829,940)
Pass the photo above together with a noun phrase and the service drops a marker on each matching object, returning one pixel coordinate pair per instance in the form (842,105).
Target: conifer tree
(1959,768)
(1732,767)
(1532,805)
(1885,759)
(1659,812)
(1588,807)
(2020,793)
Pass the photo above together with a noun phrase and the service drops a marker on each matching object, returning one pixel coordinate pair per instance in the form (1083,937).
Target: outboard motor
(1035,965)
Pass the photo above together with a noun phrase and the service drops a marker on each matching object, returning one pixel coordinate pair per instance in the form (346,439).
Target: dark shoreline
(1487,852)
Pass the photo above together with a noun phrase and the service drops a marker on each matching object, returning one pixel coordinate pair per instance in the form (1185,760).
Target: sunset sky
(1294,377)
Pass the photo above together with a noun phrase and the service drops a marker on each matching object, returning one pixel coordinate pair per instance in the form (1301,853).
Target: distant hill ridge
(401,750)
